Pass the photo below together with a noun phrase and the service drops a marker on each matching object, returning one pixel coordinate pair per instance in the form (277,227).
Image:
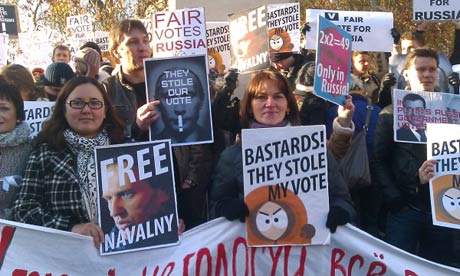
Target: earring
(287,113)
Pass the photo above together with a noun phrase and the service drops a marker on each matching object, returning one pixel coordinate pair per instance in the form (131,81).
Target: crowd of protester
(97,104)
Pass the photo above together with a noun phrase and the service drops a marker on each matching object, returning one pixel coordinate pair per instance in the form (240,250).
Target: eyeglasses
(79,104)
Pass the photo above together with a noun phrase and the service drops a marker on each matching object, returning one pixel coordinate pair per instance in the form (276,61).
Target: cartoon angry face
(451,202)
(276,42)
(272,220)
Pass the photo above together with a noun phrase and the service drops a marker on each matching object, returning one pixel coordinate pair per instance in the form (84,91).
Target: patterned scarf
(16,136)
(83,148)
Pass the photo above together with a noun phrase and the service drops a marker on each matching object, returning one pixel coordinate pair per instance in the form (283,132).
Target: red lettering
(19,272)
(253,253)
(5,241)
(186,263)
(408,272)
(337,256)
(111,272)
(353,260)
(303,258)
(376,269)
(23,272)
(236,243)
(203,252)
(275,257)
(169,266)
(221,260)
(155,271)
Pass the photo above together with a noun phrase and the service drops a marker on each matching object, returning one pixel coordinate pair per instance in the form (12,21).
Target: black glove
(306,28)
(396,35)
(454,79)
(389,79)
(395,204)
(236,209)
(231,77)
(213,74)
(337,216)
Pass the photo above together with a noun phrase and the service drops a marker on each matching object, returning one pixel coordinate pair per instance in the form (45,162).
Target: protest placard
(285,185)
(35,113)
(371,31)
(435,10)
(80,26)
(9,20)
(181,86)
(443,145)
(333,62)
(36,49)
(283,22)
(249,40)
(136,196)
(178,33)
(412,110)
(3,49)
(218,42)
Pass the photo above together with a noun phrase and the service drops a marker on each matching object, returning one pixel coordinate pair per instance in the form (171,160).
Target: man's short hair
(411,97)
(121,28)
(420,52)
(60,47)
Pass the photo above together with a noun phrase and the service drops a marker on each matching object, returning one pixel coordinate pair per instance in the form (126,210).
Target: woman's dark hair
(11,93)
(53,128)
(255,85)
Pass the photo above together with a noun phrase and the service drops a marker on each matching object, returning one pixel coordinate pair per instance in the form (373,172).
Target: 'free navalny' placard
(136,196)
(249,40)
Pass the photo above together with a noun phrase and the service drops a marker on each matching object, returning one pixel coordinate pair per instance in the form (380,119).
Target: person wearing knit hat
(288,63)
(56,75)
(87,62)
(37,72)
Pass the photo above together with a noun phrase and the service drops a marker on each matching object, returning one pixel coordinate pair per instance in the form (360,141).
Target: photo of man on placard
(180,84)
(414,107)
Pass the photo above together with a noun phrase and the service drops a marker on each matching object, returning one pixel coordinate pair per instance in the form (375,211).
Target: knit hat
(91,44)
(38,70)
(277,56)
(57,74)
(90,57)
(305,78)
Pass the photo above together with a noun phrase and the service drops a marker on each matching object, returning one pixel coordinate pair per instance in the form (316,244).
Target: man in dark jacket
(129,45)
(395,167)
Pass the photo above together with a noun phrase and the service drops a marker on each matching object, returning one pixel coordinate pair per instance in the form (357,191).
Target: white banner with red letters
(215,248)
